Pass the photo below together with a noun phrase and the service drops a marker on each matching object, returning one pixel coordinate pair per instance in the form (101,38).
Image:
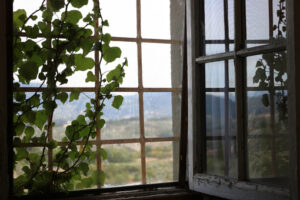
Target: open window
(142,138)
(238,121)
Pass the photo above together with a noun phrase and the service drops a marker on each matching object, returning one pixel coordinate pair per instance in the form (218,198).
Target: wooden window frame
(240,188)
(6,146)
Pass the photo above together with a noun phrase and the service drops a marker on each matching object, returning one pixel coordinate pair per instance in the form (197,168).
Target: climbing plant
(271,69)
(51,44)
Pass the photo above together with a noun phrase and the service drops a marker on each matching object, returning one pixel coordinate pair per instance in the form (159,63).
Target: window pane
(267,117)
(121,15)
(123,165)
(167,16)
(162,65)
(215,75)
(124,122)
(214,48)
(129,50)
(162,114)
(64,114)
(214,20)
(162,162)
(264,25)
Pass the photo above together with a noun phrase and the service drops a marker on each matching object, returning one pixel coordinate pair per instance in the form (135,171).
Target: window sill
(233,189)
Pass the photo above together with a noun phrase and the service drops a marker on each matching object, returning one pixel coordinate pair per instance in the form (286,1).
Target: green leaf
(19,129)
(114,74)
(72,17)
(106,38)
(105,23)
(100,123)
(103,153)
(47,15)
(74,94)
(19,17)
(111,54)
(117,102)
(28,71)
(84,167)
(79,3)
(41,119)
(21,154)
(90,77)
(82,63)
(62,97)
(29,131)
(101,176)
(57,4)
(265,100)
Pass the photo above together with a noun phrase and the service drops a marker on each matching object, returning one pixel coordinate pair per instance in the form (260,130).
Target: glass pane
(231,71)
(215,114)
(231,19)
(267,117)
(64,114)
(263,25)
(215,75)
(214,20)
(162,162)
(162,114)
(167,16)
(214,48)
(124,122)
(257,15)
(162,65)
(215,157)
(121,15)
(123,165)
(129,50)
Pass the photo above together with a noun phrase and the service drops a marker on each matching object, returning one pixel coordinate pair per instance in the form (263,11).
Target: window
(238,89)
(142,138)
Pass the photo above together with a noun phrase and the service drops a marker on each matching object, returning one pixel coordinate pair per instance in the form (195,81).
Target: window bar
(97,85)
(50,133)
(272,99)
(226,95)
(140,85)
(241,93)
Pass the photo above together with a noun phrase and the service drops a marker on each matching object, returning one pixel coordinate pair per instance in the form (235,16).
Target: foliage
(55,47)
(271,69)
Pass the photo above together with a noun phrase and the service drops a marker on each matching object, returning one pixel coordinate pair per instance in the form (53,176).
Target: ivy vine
(51,50)
(271,69)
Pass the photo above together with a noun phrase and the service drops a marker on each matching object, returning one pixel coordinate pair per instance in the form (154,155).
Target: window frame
(240,188)
(6,146)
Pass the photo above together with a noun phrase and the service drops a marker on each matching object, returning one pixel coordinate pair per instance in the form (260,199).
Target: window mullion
(241,94)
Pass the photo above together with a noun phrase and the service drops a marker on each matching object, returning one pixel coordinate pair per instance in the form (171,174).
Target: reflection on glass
(121,15)
(215,112)
(231,19)
(124,122)
(265,26)
(64,114)
(231,73)
(267,116)
(214,48)
(162,162)
(215,75)
(161,114)
(161,65)
(215,156)
(214,20)
(123,164)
